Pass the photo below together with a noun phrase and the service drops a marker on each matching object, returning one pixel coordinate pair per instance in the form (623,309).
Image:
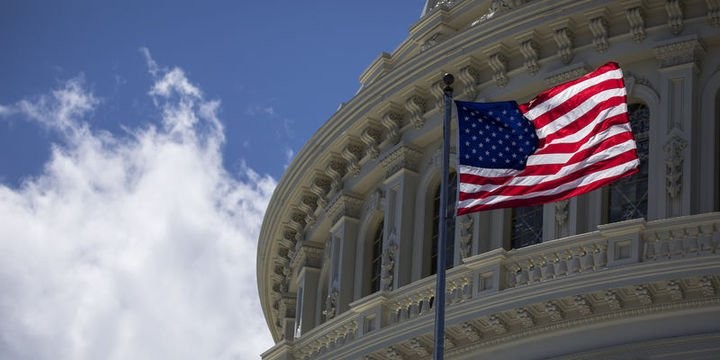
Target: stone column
(344,214)
(400,187)
(673,129)
(306,262)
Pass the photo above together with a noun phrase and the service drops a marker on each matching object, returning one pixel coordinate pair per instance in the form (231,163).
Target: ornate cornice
(403,157)
(344,204)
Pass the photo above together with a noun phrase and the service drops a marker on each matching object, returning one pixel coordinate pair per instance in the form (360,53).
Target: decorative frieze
(707,288)
(674,160)
(553,311)
(643,295)
(404,157)
(636,21)
(713,11)
(675,16)
(571,72)
(685,51)
(345,205)
(470,332)
(496,325)
(524,317)
(675,290)
(613,300)
(582,305)
(418,347)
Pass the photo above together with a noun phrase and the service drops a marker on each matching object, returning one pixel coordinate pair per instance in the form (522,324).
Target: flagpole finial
(448,79)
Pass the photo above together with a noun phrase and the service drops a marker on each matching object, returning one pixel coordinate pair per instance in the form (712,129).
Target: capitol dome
(348,247)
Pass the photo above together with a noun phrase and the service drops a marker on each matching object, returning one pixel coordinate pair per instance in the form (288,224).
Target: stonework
(573,295)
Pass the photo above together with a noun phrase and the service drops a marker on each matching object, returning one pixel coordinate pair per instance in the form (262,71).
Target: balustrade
(574,256)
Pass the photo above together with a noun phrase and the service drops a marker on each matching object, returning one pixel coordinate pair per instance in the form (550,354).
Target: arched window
(450,244)
(526,226)
(628,197)
(376,259)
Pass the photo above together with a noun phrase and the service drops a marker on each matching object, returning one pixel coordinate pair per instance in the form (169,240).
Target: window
(450,244)
(526,227)
(376,259)
(627,197)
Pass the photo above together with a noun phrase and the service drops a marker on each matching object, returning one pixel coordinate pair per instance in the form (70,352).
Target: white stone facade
(642,288)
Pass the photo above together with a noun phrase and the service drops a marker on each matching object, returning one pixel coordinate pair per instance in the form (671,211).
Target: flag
(568,140)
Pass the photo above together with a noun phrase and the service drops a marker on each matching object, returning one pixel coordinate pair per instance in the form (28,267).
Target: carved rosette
(643,295)
(582,305)
(613,300)
(636,20)
(496,325)
(675,16)
(415,105)
(674,160)
(524,317)
(553,311)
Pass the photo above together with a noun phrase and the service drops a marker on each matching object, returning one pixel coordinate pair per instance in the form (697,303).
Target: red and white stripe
(585,142)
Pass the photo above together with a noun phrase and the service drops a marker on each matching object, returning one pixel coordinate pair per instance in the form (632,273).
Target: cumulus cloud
(133,246)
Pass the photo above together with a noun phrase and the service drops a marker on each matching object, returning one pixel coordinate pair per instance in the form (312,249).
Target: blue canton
(494,135)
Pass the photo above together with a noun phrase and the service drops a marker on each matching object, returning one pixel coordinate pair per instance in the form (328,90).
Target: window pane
(628,196)
(526,226)
(376,260)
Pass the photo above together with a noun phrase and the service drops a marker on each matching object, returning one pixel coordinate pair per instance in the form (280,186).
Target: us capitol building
(347,251)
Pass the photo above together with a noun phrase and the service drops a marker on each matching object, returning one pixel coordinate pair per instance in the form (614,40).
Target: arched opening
(627,198)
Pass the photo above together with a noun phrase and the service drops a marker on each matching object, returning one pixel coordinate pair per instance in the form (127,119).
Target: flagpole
(439,348)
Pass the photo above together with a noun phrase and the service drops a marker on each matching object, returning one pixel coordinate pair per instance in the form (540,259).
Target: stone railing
(623,244)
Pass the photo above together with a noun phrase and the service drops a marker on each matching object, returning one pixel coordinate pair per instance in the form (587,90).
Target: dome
(348,245)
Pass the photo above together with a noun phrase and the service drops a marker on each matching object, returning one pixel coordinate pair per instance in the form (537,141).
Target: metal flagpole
(439,348)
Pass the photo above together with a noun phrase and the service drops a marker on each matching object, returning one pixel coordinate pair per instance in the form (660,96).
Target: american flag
(568,140)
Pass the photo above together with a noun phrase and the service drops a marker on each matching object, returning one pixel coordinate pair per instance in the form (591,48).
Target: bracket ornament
(636,20)
(675,16)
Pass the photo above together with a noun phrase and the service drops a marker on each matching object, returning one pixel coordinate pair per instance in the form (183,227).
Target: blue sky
(279,68)
(139,145)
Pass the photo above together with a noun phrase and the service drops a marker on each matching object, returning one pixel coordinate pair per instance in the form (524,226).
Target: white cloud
(133,247)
